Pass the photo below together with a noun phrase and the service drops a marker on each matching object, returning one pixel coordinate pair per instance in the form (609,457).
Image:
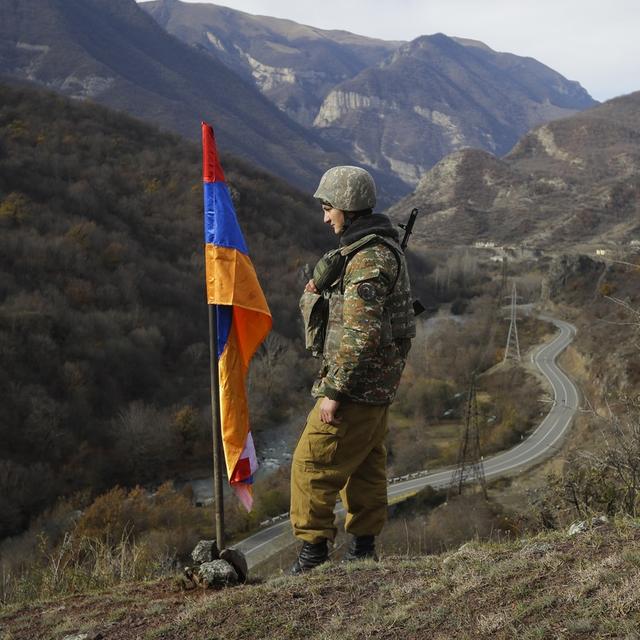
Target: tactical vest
(322,313)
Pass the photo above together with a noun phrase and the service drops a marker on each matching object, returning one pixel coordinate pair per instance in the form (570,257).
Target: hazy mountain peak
(434,95)
(467,42)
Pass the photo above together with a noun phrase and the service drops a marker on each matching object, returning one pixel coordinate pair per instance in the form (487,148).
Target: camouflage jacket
(370,323)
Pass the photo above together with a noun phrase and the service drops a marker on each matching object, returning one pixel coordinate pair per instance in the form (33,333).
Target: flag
(243,317)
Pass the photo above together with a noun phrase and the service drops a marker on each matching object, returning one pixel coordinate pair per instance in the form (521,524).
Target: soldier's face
(334,217)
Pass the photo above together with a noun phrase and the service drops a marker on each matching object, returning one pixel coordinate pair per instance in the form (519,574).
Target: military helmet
(347,188)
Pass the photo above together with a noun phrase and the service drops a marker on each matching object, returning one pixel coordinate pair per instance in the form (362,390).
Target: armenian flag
(243,317)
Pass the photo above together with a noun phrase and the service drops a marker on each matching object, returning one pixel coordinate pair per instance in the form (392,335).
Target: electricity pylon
(512,336)
(469,457)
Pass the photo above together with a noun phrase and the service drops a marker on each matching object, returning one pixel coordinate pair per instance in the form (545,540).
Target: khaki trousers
(349,458)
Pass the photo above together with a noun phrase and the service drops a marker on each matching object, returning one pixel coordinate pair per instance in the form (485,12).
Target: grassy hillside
(550,586)
(103,321)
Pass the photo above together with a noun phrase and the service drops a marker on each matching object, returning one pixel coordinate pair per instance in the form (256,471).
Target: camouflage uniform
(368,333)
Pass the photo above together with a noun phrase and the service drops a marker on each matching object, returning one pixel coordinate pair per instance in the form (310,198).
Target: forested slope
(103,322)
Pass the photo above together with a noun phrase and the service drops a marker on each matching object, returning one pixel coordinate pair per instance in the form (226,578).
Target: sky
(596,42)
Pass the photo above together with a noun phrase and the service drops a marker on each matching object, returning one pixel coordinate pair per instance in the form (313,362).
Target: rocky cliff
(396,106)
(436,95)
(572,180)
(294,65)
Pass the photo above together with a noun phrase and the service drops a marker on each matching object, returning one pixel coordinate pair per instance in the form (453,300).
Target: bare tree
(607,481)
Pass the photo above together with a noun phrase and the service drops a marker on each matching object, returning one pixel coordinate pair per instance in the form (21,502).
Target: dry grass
(84,564)
(550,586)
(122,536)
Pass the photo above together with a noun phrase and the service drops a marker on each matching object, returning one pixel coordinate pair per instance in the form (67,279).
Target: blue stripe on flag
(220,224)
(225,318)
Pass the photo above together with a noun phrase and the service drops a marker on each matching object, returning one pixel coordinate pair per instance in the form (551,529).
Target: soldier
(359,320)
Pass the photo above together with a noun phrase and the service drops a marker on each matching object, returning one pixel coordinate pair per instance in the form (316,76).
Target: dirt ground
(127,613)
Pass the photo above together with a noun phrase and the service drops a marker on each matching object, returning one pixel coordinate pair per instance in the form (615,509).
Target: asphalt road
(543,442)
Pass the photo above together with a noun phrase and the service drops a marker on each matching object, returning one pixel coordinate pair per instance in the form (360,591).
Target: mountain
(396,106)
(294,65)
(113,53)
(571,180)
(436,95)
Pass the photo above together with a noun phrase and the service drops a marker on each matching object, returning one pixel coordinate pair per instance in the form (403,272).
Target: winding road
(544,441)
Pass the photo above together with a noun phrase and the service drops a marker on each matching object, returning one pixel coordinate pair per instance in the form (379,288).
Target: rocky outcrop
(339,103)
(435,95)
(569,181)
(267,77)
(570,272)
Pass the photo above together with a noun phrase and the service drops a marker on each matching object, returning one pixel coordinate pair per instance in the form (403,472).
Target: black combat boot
(311,555)
(361,548)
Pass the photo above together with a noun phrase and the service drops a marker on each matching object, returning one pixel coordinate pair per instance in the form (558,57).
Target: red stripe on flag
(242,471)
(211,169)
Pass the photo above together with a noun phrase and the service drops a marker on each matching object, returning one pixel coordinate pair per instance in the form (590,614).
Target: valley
(525,186)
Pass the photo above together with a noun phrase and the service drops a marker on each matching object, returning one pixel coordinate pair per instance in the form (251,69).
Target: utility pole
(512,336)
(469,457)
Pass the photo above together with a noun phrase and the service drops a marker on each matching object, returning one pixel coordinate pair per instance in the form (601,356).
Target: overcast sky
(596,42)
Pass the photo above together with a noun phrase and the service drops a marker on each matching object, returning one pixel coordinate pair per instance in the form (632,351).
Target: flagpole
(216,423)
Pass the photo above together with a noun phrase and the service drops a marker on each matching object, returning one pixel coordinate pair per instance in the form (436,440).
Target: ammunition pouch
(328,269)
(315,309)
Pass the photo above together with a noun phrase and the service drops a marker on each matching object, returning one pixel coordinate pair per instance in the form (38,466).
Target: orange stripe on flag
(231,279)
(233,401)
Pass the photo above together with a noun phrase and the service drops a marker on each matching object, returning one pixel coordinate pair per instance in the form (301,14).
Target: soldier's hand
(328,410)
(311,287)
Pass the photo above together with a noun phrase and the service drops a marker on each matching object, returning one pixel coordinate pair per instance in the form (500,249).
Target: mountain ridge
(293,64)
(571,180)
(396,106)
(434,95)
(117,55)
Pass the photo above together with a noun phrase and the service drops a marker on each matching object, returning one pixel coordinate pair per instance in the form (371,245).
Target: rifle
(418,307)
(408,228)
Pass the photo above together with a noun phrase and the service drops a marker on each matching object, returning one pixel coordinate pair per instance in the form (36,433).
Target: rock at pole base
(205,551)
(237,560)
(215,574)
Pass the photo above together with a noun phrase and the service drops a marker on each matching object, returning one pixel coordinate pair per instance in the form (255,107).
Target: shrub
(596,483)
(119,514)
(463,518)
